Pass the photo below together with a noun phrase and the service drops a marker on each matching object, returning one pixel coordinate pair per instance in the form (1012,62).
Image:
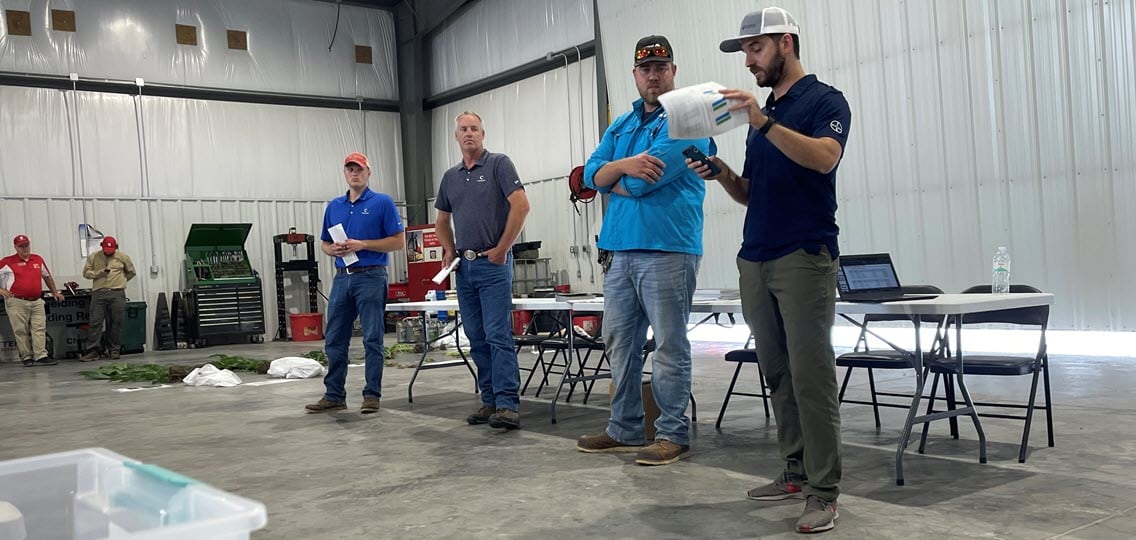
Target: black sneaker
(505,418)
(481,416)
(45,361)
(29,362)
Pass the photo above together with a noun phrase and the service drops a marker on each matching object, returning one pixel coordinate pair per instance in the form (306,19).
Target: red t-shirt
(23,278)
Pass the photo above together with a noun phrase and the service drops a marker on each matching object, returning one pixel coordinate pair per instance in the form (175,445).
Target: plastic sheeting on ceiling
(494,36)
(287,52)
(975,124)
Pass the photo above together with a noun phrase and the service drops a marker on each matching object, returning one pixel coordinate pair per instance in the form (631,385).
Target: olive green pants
(789,304)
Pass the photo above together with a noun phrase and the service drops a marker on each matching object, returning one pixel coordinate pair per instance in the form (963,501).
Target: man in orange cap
(109,269)
(20,276)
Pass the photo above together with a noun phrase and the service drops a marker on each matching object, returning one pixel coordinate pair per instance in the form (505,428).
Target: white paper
(441,275)
(339,236)
(699,111)
(295,367)
(209,375)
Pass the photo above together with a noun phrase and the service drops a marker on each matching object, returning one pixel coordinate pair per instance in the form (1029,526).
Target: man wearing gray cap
(787,263)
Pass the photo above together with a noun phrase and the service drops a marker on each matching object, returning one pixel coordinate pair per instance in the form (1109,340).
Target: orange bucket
(306,326)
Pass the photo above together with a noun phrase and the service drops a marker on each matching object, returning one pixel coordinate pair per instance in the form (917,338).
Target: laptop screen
(863,273)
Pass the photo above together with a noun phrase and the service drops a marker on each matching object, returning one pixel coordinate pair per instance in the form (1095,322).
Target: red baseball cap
(21,240)
(357,158)
(109,244)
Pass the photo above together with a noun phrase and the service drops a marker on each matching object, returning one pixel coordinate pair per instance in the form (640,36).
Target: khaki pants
(108,307)
(29,324)
(789,304)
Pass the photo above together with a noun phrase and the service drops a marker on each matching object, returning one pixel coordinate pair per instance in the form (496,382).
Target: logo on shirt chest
(366,212)
(481,178)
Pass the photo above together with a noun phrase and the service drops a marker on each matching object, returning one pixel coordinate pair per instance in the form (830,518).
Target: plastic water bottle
(1000,281)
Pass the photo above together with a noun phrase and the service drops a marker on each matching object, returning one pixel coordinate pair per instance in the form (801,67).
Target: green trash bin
(134,328)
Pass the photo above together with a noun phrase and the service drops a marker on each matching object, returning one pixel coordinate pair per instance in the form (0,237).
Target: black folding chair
(1036,365)
(863,356)
(742,357)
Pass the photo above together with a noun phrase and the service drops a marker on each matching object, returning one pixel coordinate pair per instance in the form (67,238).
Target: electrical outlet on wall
(574,250)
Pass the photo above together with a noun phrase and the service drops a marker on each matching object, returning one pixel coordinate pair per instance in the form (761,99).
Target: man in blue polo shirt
(653,224)
(481,207)
(373,228)
(787,263)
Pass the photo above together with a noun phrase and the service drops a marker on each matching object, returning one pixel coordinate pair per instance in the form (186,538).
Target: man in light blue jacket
(653,226)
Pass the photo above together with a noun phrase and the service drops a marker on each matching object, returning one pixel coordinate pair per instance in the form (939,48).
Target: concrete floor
(418,471)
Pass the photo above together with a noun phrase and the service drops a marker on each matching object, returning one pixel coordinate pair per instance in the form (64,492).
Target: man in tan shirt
(110,269)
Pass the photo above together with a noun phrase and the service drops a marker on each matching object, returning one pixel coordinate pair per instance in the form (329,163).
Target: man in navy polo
(373,229)
(787,263)
(481,207)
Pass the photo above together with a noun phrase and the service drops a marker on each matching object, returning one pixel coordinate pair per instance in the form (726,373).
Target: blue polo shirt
(372,216)
(478,198)
(792,207)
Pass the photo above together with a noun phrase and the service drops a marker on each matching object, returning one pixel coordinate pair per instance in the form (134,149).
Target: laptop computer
(871,278)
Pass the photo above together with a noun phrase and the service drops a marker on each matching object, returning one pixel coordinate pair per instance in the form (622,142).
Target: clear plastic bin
(95,493)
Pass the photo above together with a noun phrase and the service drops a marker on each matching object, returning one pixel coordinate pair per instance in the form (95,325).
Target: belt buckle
(470,255)
(355,270)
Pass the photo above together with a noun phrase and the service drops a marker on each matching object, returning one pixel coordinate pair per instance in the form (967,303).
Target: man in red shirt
(20,276)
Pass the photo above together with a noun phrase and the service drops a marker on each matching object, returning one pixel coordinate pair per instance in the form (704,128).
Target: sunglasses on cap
(647,52)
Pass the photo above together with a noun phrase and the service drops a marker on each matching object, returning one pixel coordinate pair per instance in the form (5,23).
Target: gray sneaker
(786,486)
(820,515)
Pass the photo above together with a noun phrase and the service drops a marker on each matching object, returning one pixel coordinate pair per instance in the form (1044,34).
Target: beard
(773,73)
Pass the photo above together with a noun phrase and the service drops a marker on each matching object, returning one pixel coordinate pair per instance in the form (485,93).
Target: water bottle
(1000,281)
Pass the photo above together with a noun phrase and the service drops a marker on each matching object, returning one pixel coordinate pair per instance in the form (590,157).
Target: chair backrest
(909,289)
(1028,316)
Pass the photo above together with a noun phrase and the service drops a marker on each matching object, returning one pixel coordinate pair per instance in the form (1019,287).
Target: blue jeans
(485,298)
(362,295)
(653,289)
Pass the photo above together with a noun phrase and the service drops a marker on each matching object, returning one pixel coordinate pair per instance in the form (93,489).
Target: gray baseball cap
(771,20)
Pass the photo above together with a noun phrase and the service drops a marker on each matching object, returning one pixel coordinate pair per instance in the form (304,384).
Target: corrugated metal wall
(976,124)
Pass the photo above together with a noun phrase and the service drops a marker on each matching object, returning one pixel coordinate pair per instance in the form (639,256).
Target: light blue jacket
(664,216)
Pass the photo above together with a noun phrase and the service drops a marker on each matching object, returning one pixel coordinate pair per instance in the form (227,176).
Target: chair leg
(1048,400)
(580,361)
(930,409)
(875,402)
(693,408)
(596,373)
(764,389)
(532,371)
(1029,418)
(547,371)
(843,384)
(729,392)
(952,403)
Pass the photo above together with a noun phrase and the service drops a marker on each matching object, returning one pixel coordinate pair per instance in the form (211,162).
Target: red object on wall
(423,261)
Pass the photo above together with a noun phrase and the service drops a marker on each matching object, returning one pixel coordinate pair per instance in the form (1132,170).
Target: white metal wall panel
(547,126)
(32,119)
(494,36)
(975,124)
(288,45)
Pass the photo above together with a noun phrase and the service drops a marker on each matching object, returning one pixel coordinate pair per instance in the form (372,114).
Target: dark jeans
(362,295)
(485,297)
(108,307)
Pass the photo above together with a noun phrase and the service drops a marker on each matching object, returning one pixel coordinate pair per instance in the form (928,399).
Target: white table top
(944,304)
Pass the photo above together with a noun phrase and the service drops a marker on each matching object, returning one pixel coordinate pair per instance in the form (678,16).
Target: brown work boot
(603,443)
(481,416)
(370,405)
(90,356)
(115,355)
(662,452)
(325,405)
(505,418)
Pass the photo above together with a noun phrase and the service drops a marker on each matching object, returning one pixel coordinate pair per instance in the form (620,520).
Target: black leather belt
(472,254)
(356,269)
(28,298)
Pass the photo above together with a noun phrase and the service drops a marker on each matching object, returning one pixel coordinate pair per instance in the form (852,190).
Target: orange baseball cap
(21,240)
(357,158)
(109,244)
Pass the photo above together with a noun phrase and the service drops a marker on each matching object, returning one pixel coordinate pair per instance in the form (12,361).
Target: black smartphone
(694,154)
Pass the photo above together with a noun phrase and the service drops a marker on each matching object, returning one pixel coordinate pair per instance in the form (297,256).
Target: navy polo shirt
(478,198)
(790,206)
(372,216)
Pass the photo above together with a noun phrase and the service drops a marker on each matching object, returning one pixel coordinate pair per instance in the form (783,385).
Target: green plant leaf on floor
(317,355)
